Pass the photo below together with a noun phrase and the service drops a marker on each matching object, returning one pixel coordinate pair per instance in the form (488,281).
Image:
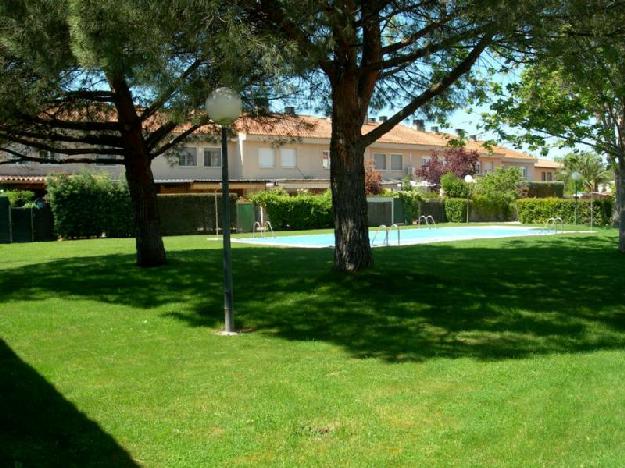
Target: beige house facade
(292,153)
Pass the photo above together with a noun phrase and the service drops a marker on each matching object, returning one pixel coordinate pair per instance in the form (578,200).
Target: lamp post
(576,176)
(469,180)
(224,107)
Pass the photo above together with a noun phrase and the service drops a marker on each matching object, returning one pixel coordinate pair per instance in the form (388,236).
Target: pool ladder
(262,228)
(428,220)
(555,221)
(387,230)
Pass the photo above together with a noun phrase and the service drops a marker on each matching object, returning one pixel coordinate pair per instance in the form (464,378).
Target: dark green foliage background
(539,210)
(545,189)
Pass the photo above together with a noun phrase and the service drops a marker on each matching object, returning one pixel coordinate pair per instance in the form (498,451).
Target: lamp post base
(227,333)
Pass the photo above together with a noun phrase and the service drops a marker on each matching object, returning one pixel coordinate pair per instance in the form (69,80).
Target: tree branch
(98,140)
(89,126)
(426,50)
(178,138)
(19,157)
(67,151)
(157,135)
(159,102)
(433,91)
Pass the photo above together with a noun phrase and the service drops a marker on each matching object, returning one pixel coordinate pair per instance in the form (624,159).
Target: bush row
(298,212)
(480,210)
(88,205)
(545,189)
(539,210)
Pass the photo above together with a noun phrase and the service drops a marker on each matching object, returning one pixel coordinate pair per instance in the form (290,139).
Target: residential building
(292,152)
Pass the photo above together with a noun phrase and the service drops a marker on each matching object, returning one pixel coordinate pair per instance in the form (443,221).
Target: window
(265,158)
(488,167)
(478,168)
(549,176)
(49,155)
(396,162)
(288,157)
(325,159)
(379,161)
(101,157)
(425,160)
(212,157)
(524,172)
(187,156)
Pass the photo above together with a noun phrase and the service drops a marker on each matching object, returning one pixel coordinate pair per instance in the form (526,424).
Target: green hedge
(453,186)
(480,210)
(487,209)
(539,210)
(88,205)
(410,202)
(192,213)
(545,189)
(456,210)
(297,212)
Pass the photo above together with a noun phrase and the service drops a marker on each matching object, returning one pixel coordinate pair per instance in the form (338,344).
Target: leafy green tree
(500,185)
(589,165)
(86,81)
(454,186)
(414,56)
(572,88)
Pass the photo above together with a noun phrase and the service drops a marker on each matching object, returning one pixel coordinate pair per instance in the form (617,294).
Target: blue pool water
(411,236)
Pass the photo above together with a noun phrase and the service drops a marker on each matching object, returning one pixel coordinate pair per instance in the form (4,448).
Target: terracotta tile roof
(547,164)
(22,179)
(319,128)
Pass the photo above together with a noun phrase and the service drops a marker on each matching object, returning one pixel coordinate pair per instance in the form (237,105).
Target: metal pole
(225,229)
(576,201)
(467,209)
(592,196)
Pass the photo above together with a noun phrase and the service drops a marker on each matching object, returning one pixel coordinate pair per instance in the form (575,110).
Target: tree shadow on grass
(485,300)
(38,427)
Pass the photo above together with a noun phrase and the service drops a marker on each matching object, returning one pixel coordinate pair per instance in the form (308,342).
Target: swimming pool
(410,236)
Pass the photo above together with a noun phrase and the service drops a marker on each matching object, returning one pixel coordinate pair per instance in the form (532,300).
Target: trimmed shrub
(453,186)
(489,209)
(410,201)
(539,210)
(456,210)
(545,189)
(502,185)
(192,213)
(88,205)
(298,212)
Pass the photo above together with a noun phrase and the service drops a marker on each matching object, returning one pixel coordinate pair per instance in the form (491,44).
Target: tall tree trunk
(148,240)
(620,201)
(352,250)
(137,161)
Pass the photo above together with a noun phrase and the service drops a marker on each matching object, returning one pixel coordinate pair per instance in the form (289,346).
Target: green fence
(5,220)
(26,224)
(193,213)
(22,224)
(246,217)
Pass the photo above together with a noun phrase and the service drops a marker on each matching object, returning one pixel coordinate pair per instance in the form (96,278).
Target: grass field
(496,352)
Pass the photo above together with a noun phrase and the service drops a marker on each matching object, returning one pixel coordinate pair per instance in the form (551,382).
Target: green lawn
(495,352)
